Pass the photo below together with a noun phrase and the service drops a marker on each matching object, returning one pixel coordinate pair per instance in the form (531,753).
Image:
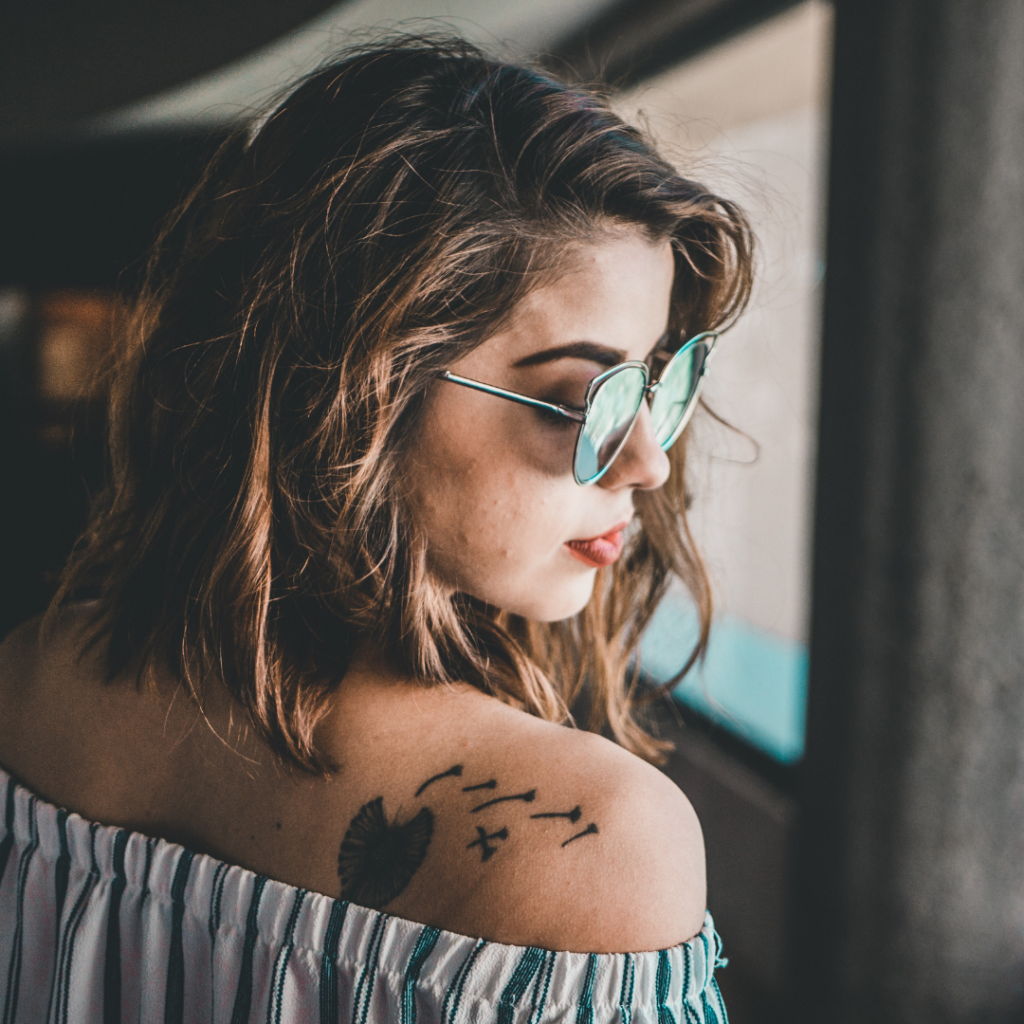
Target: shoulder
(585,847)
(41,671)
(18,658)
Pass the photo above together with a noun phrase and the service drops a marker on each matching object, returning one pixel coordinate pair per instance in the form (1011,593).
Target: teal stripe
(585,1010)
(216,891)
(626,989)
(529,963)
(453,997)
(692,1016)
(14,966)
(329,964)
(61,873)
(423,948)
(720,1000)
(280,970)
(67,946)
(174,994)
(150,846)
(213,926)
(243,993)
(710,1016)
(662,983)
(364,989)
(540,990)
(7,843)
(112,954)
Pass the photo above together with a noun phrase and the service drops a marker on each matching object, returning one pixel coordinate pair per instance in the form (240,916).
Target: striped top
(99,924)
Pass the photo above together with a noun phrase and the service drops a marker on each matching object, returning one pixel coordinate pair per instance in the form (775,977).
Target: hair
(380,222)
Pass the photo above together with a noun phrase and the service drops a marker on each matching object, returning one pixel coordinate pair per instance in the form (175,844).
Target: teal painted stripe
(329,963)
(423,948)
(752,682)
(525,971)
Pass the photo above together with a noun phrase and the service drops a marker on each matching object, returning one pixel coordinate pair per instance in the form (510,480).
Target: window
(749,119)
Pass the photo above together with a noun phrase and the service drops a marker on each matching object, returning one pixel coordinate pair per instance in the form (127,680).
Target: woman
(393,475)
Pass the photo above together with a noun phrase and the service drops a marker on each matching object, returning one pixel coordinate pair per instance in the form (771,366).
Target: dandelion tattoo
(378,858)
(489,784)
(590,830)
(456,769)
(527,798)
(482,840)
(574,815)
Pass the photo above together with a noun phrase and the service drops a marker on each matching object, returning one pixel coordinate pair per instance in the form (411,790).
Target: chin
(552,604)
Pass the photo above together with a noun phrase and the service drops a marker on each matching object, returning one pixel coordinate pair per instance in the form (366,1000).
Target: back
(99,924)
(448,807)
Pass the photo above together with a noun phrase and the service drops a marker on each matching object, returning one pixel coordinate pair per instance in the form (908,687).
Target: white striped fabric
(101,925)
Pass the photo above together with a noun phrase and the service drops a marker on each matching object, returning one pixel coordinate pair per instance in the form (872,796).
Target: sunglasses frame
(580,415)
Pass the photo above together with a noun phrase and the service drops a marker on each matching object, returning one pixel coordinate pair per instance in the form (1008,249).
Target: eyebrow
(588,350)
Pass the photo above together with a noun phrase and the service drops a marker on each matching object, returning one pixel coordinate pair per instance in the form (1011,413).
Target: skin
(494,488)
(499,511)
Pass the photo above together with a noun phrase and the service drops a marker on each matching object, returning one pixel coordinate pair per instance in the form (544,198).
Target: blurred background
(869,137)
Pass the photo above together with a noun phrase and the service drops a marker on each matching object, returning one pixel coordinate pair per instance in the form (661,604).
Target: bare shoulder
(566,841)
(18,657)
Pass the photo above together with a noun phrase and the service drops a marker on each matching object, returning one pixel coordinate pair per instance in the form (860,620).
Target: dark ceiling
(61,62)
(80,209)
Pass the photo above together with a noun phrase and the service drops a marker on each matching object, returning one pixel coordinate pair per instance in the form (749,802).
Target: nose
(641,463)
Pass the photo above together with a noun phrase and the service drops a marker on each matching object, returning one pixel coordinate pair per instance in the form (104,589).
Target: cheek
(494,515)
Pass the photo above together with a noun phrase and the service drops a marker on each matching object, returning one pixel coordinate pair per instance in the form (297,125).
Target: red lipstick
(599,551)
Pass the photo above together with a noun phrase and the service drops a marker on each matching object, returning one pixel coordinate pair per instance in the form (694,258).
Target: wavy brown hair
(385,218)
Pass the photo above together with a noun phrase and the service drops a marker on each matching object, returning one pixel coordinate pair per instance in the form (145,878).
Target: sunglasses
(613,402)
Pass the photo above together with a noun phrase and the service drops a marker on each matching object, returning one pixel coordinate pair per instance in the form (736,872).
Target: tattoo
(574,815)
(526,797)
(486,850)
(590,830)
(456,769)
(378,858)
(489,784)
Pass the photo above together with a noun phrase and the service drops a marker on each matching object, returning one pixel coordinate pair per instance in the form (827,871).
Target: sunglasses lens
(676,396)
(613,408)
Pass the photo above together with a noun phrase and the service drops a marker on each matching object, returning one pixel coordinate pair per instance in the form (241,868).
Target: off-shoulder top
(100,924)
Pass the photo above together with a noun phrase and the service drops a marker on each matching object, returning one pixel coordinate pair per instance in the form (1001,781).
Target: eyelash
(552,419)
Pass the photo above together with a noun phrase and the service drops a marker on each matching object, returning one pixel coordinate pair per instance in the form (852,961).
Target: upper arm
(626,876)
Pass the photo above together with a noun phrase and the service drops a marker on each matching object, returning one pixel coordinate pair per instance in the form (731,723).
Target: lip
(599,551)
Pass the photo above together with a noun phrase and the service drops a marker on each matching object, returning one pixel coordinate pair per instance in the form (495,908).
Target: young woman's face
(491,480)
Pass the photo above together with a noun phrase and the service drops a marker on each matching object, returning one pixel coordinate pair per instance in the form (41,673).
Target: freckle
(278,825)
